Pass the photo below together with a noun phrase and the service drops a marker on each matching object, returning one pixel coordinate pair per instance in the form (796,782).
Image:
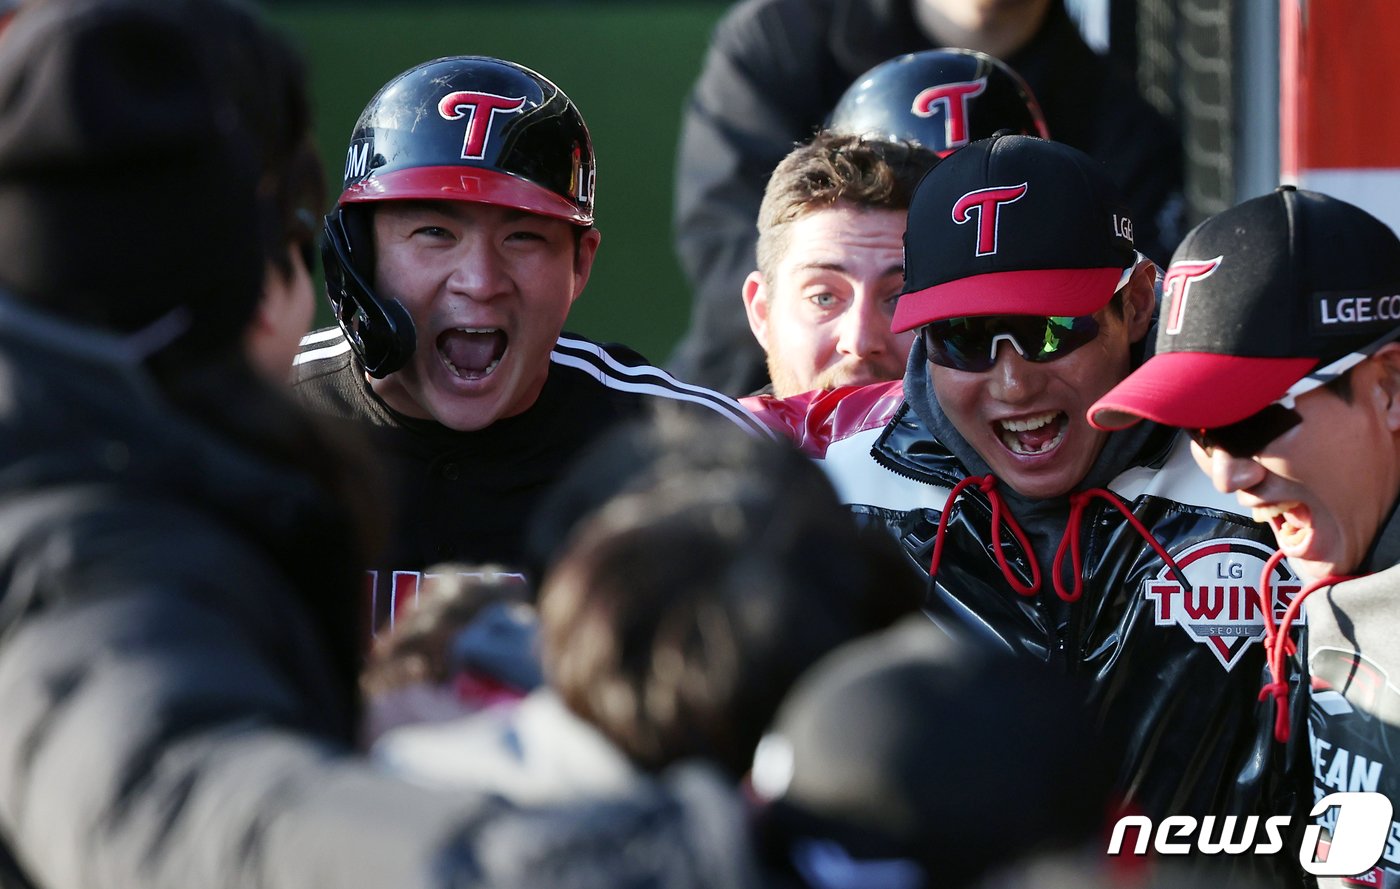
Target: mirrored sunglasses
(970,344)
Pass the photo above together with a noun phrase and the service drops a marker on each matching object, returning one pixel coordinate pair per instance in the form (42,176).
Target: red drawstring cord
(987,484)
(1077,504)
(1277,644)
(1071,540)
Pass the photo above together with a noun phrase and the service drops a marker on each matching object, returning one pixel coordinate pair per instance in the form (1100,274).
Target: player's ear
(1387,382)
(583,259)
(756,306)
(1139,298)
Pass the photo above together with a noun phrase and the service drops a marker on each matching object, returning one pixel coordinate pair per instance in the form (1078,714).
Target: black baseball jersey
(468,496)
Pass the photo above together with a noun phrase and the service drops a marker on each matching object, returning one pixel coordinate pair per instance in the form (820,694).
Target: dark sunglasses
(1250,435)
(970,344)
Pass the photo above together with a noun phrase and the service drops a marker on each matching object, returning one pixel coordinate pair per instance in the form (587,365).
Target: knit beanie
(127,191)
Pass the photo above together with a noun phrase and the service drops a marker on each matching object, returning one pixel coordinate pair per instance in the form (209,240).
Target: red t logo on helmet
(953,97)
(471,105)
(1181,275)
(987,202)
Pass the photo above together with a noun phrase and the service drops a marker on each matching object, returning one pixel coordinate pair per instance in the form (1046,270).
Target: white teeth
(1268,511)
(1014,445)
(477,329)
(1026,424)
(457,371)
(1010,427)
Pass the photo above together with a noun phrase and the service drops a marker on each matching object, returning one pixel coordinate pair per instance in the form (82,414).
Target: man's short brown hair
(832,168)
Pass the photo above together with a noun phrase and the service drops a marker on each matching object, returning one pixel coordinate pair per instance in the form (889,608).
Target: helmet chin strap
(381,331)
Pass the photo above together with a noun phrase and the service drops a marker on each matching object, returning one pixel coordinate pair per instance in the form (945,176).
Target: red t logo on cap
(987,202)
(1183,273)
(953,97)
(468,104)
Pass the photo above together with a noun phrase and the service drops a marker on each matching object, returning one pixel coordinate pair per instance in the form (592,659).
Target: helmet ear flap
(379,330)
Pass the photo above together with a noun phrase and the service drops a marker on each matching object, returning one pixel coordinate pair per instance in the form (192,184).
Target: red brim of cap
(476,185)
(1197,390)
(1033,292)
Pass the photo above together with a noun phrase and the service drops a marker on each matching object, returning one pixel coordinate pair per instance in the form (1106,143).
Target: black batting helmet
(939,98)
(462,128)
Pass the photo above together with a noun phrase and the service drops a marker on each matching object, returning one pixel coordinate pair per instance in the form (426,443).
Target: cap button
(1286,188)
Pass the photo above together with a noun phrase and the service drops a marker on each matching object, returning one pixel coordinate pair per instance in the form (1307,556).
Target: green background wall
(627,65)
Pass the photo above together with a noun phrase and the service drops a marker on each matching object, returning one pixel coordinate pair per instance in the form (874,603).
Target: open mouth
(1034,435)
(472,353)
(1291,522)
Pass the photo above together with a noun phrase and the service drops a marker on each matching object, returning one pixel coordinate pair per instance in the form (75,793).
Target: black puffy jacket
(177,674)
(1175,668)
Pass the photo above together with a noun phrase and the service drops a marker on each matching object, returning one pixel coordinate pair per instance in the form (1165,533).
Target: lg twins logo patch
(952,99)
(1176,287)
(1221,610)
(480,110)
(987,204)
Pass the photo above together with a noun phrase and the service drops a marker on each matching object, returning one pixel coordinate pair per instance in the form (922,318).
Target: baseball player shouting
(1099,555)
(464,233)
(1278,354)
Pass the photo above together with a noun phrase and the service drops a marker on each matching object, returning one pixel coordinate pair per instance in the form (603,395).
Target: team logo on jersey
(480,110)
(986,203)
(951,99)
(1176,287)
(1221,610)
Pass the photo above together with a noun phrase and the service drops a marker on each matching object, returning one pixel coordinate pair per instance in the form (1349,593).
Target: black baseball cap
(909,749)
(1013,225)
(1271,298)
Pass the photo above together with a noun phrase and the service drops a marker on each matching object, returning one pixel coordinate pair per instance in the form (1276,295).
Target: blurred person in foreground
(674,619)
(860,774)
(177,664)
(860,782)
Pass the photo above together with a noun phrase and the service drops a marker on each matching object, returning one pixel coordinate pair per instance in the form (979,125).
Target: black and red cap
(1270,298)
(1013,225)
(478,129)
(941,99)
(907,750)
